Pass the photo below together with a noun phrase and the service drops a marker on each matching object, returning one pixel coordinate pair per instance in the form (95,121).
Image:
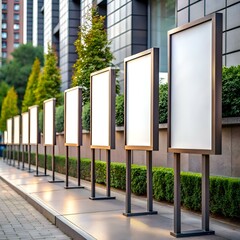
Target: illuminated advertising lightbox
(73,116)
(17,129)
(33,122)
(141,100)
(49,134)
(10,131)
(25,128)
(195,64)
(103,109)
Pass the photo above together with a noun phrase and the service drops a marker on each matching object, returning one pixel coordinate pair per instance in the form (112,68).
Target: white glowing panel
(191,88)
(49,129)
(9,131)
(25,128)
(33,111)
(16,133)
(100,109)
(5,137)
(72,116)
(139,101)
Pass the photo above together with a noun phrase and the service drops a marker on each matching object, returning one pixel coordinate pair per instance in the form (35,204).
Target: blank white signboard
(9,131)
(49,123)
(16,135)
(25,128)
(5,137)
(72,117)
(100,105)
(139,101)
(191,88)
(33,111)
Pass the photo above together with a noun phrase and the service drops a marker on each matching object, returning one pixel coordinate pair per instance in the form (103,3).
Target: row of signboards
(194,99)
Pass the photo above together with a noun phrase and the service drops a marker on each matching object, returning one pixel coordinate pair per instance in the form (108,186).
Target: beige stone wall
(227,164)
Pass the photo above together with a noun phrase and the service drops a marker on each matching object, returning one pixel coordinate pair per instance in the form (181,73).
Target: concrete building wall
(191,10)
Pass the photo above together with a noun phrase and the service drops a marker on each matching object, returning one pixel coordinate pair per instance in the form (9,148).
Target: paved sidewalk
(81,218)
(19,220)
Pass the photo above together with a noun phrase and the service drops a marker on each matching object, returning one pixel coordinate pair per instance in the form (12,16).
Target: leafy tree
(50,79)
(29,97)
(9,107)
(16,71)
(93,49)
(230,91)
(3,92)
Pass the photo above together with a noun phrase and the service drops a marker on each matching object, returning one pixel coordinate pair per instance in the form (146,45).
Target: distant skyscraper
(12,26)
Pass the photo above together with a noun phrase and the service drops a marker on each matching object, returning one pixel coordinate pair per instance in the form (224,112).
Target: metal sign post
(73,129)
(141,107)
(194,113)
(102,100)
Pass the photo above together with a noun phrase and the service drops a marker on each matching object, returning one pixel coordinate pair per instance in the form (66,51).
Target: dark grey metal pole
(205,192)
(45,160)
(53,164)
(36,158)
(78,164)
(108,173)
(177,194)
(29,158)
(23,157)
(149,181)
(66,166)
(128,182)
(93,175)
(18,156)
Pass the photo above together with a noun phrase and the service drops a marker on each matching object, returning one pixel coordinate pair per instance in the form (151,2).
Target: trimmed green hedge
(224,191)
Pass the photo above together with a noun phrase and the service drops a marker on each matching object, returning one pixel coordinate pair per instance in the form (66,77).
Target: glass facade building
(134,26)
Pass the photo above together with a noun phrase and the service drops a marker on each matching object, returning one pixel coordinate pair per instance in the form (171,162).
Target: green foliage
(3,92)
(92,47)
(163,103)
(40,120)
(224,191)
(50,79)
(59,119)
(230,91)
(86,116)
(16,71)
(120,110)
(29,97)
(9,107)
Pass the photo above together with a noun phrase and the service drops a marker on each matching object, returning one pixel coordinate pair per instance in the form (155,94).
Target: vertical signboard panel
(10,131)
(17,125)
(33,118)
(195,88)
(25,128)
(5,137)
(49,134)
(73,116)
(141,100)
(103,109)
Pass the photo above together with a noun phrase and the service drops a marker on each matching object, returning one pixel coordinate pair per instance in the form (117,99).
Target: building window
(16,45)
(4,55)
(161,19)
(4,44)
(4,6)
(4,35)
(16,17)
(4,25)
(4,16)
(16,36)
(16,7)
(16,26)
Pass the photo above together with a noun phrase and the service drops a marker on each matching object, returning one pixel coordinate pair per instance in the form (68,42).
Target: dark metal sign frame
(215,44)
